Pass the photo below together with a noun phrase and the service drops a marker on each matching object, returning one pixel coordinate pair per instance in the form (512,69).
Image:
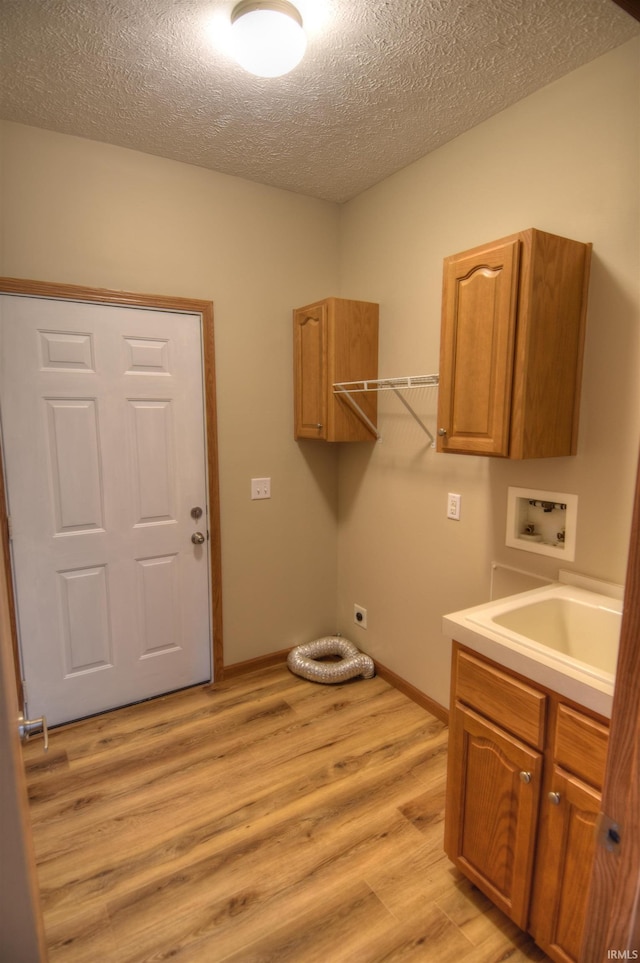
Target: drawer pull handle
(525,777)
(554,797)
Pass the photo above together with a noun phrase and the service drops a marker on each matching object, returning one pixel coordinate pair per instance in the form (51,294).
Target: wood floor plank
(274,796)
(265,819)
(258,767)
(352,929)
(189,742)
(83,936)
(311,832)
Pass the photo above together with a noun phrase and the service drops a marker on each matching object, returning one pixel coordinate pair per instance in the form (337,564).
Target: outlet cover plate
(360,616)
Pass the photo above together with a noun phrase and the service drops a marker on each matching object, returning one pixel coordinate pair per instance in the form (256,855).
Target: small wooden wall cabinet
(512,338)
(524,785)
(334,341)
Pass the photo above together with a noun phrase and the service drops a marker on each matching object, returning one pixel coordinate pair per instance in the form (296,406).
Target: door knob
(197,538)
(442,432)
(27,727)
(554,797)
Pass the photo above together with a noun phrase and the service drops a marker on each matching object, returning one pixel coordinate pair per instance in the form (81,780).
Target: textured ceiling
(383,81)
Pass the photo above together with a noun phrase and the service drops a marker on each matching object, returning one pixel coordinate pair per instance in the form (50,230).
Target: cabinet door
(568,841)
(492,808)
(479,304)
(310,338)
(353,356)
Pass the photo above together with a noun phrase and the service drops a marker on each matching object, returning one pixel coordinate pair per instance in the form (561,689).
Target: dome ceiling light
(267,36)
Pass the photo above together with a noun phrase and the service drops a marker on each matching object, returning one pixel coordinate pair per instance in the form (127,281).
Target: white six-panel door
(103,433)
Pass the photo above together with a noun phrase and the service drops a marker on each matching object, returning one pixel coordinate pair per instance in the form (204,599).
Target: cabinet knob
(525,777)
(554,798)
(442,432)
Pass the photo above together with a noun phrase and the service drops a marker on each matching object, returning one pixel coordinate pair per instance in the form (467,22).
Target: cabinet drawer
(509,703)
(581,745)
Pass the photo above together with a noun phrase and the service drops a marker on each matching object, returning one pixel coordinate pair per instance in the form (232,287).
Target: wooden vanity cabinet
(494,781)
(523,795)
(334,340)
(567,834)
(512,338)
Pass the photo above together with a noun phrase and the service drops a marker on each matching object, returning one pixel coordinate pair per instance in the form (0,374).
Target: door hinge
(609,833)
(9,528)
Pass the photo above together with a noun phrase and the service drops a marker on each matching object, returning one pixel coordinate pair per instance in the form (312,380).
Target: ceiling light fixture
(267,36)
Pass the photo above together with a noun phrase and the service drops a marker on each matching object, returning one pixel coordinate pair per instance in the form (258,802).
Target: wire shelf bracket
(347,389)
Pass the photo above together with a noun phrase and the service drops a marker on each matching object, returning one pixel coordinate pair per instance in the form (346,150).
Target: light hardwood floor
(267,819)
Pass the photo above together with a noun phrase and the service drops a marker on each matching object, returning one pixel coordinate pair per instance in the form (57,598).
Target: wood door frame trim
(21,924)
(75,292)
(613,914)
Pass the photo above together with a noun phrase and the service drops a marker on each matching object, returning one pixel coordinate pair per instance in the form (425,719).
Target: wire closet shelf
(346,390)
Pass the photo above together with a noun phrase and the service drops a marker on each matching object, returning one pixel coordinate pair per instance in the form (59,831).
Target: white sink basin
(578,625)
(562,636)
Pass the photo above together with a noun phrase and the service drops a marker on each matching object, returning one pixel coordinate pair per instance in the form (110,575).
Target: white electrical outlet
(261,488)
(360,616)
(453,506)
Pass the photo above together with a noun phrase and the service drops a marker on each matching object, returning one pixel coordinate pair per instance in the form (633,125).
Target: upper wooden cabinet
(335,340)
(513,317)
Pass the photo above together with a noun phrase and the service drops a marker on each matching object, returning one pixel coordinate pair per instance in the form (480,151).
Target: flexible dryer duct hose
(302,661)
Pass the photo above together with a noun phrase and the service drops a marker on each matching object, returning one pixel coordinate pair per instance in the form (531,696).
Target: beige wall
(80,212)
(564,160)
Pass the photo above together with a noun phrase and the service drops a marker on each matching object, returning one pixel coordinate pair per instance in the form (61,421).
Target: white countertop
(588,686)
